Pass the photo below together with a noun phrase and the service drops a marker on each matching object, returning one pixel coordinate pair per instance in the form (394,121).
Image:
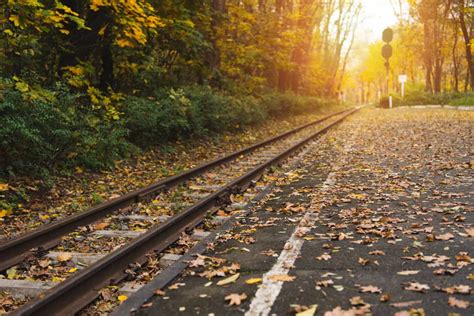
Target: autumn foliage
(86,82)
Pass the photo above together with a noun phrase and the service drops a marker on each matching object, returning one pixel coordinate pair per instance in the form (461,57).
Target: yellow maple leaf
(4,213)
(124,43)
(3,187)
(15,19)
(122,298)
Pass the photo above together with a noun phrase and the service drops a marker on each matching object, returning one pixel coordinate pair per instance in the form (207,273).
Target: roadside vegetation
(422,97)
(86,83)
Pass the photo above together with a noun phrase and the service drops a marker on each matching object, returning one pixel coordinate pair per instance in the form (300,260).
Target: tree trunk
(467,41)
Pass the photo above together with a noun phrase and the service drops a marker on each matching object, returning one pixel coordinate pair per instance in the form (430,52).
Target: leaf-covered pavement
(391,196)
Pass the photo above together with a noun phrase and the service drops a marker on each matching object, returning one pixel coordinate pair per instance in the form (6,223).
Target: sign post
(387,52)
(402,79)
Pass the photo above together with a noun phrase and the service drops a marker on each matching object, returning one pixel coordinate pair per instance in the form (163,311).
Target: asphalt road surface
(378,220)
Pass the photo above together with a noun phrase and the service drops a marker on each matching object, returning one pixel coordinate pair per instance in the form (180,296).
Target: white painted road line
(268,292)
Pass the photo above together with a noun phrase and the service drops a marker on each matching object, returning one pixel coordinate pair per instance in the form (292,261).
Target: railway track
(103,245)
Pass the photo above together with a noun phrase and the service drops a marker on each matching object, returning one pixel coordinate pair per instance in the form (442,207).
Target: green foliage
(36,135)
(466,100)
(64,131)
(421,97)
(188,112)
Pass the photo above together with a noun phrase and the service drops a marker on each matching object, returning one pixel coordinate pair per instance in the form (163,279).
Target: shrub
(467,99)
(37,134)
(63,130)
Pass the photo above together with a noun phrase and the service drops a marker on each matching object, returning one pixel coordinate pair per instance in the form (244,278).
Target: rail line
(81,288)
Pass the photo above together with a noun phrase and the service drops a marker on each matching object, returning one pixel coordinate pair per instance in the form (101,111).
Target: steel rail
(13,251)
(82,288)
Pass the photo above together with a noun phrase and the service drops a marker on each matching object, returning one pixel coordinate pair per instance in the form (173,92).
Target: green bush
(63,131)
(189,112)
(467,99)
(417,96)
(36,135)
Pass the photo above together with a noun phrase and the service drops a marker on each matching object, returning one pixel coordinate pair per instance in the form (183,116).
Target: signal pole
(387,37)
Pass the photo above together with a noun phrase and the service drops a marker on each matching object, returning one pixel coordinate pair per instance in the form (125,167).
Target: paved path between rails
(380,219)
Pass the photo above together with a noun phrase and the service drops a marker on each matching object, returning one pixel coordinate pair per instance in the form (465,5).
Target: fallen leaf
(253,281)
(406,304)
(452,301)
(101,225)
(470,231)
(377,253)
(338,311)
(408,272)
(384,297)
(370,289)
(324,256)
(3,187)
(281,277)
(446,236)
(325,283)
(160,292)
(235,299)
(64,256)
(458,289)
(122,298)
(309,312)
(229,280)
(417,287)
(363,261)
(357,300)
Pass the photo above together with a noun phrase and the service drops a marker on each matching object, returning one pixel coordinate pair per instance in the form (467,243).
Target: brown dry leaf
(160,293)
(324,256)
(176,286)
(377,253)
(470,231)
(325,283)
(452,301)
(229,280)
(384,297)
(406,304)
(370,289)
(338,311)
(357,300)
(408,272)
(363,261)
(64,256)
(417,287)
(44,263)
(446,236)
(101,225)
(460,289)
(235,299)
(308,312)
(281,277)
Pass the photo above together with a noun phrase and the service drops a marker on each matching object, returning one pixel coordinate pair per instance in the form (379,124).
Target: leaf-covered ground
(28,204)
(383,213)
